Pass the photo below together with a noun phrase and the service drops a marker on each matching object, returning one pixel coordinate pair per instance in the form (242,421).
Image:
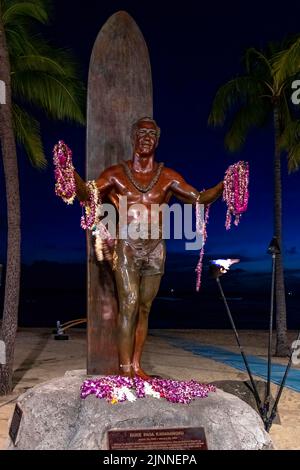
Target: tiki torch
(217,269)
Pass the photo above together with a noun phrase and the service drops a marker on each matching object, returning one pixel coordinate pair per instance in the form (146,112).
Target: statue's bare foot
(127,374)
(126,371)
(141,374)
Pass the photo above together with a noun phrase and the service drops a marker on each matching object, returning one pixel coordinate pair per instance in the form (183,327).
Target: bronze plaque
(15,423)
(158,439)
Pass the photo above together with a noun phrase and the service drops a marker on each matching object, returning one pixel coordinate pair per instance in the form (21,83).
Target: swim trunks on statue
(144,256)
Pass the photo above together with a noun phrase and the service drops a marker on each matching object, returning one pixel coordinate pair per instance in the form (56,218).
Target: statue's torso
(126,197)
(159,194)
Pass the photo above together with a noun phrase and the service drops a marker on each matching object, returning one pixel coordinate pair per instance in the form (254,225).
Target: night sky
(194,48)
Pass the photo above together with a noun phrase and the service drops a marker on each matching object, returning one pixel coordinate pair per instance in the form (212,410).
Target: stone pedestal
(55,417)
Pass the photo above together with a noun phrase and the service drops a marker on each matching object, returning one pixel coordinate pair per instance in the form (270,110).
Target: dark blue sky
(194,48)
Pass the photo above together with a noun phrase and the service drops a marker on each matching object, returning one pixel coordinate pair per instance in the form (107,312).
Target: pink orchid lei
(91,220)
(201,231)
(236,192)
(115,389)
(236,196)
(90,206)
(65,186)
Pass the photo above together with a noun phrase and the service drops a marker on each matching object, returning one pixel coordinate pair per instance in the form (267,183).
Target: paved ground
(40,358)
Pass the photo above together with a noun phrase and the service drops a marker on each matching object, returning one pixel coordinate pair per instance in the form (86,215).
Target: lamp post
(273,250)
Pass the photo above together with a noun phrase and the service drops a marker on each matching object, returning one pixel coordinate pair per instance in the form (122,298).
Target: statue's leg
(128,284)
(148,290)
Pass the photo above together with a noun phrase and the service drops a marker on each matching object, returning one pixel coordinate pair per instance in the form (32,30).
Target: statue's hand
(82,192)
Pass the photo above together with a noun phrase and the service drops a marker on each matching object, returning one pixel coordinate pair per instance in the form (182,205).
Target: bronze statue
(140,263)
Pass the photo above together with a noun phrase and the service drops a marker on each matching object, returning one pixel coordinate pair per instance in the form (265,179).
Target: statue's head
(145,136)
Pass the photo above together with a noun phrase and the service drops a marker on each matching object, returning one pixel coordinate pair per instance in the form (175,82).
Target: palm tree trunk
(282,348)
(10,165)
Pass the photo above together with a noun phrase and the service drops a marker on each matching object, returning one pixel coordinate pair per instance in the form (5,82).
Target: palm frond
(286,63)
(42,75)
(59,97)
(290,135)
(45,76)
(233,93)
(257,64)
(38,55)
(15,10)
(289,139)
(38,62)
(251,115)
(27,132)
(294,157)
(18,41)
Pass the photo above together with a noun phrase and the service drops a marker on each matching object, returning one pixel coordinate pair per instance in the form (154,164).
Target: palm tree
(36,75)
(254,99)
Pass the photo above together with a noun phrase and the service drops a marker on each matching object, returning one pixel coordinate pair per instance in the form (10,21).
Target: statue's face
(146,138)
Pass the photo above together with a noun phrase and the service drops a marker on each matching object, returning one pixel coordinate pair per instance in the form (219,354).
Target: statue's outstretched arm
(188,194)
(81,188)
(104,185)
(211,195)
(105,181)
